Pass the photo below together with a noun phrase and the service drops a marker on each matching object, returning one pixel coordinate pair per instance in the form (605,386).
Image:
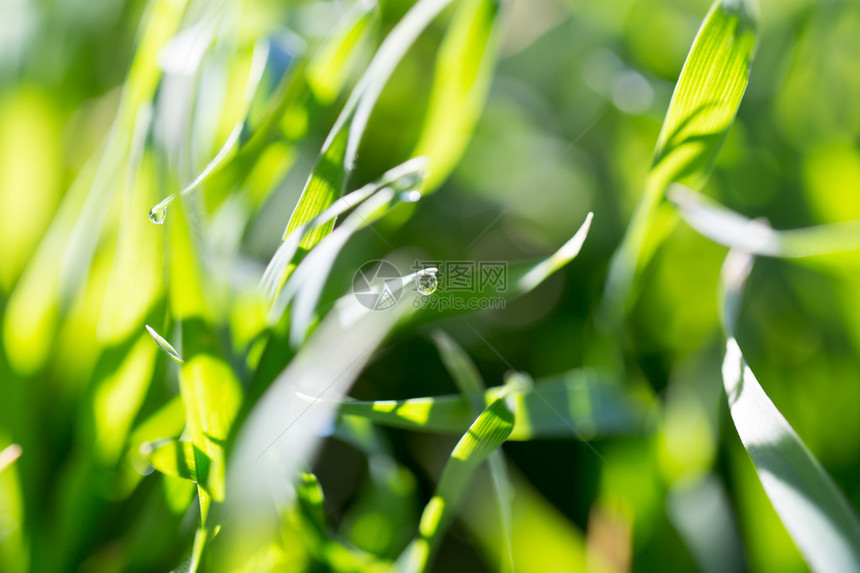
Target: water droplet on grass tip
(410,196)
(426,283)
(157,214)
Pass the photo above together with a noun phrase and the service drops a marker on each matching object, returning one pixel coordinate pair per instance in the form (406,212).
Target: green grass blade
(9,455)
(178,458)
(815,512)
(703,107)
(578,404)
(461,368)
(330,68)
(525,278)
(164,345)
(404,177)
(209,388)
(468,379)
(282,431)
(331,171)
(460,84)
(484,436)
(733,230)
(259,60)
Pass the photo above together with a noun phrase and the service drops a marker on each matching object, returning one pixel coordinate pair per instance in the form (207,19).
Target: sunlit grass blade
(331,67)
(120,389)
(164,345)
(468,379)
(521,278)
(178,458)
(64,256)
(258,65)
(311,501)
(816,514)
(738,232)
(209,388)
(460,83)
(331,171)
(524,279)
(488,432)
(577,405)
(401,179)
(703,108)
(9,455)
(282,431)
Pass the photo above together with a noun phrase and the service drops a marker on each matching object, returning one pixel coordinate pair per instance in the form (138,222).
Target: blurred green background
(572,115)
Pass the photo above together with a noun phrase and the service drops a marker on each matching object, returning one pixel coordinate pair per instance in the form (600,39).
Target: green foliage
(188,189)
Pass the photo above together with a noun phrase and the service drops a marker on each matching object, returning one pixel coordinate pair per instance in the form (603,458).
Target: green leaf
(468,379)
(703,108)
(9,455)
(311,502)
(332,65)
(164,345)
(178,458)
(816,514)
(370,203)
(484,436)
(578,404)
(738,232)
(331,171)
(262,50)
(209,388)
(460,84)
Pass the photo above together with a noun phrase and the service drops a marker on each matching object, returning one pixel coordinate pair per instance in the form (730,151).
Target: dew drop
(426,283)
(410,196)
(157,214)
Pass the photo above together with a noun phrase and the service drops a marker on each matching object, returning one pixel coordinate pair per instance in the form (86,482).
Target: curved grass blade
(258,66)
(460,84)
(178,458)
(521,278)
(330,173)
(703,108)
(401,179)
(525,279)
(728,228)
(310,276)
(488,432)
(332,65)
(164,345)
(815,512)
(9,455)
(589,408)
(49,283)
(468,379)
(282,431)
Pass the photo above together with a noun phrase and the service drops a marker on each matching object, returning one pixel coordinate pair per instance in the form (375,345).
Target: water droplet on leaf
(426,283)
(410,196)
(157,214)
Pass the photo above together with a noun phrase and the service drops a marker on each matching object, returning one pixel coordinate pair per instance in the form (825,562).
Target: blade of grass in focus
(819,518)
(703,108)
(577,404)
(461,81)
(735,231)
(337,157)
(488,432)
(468,379)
